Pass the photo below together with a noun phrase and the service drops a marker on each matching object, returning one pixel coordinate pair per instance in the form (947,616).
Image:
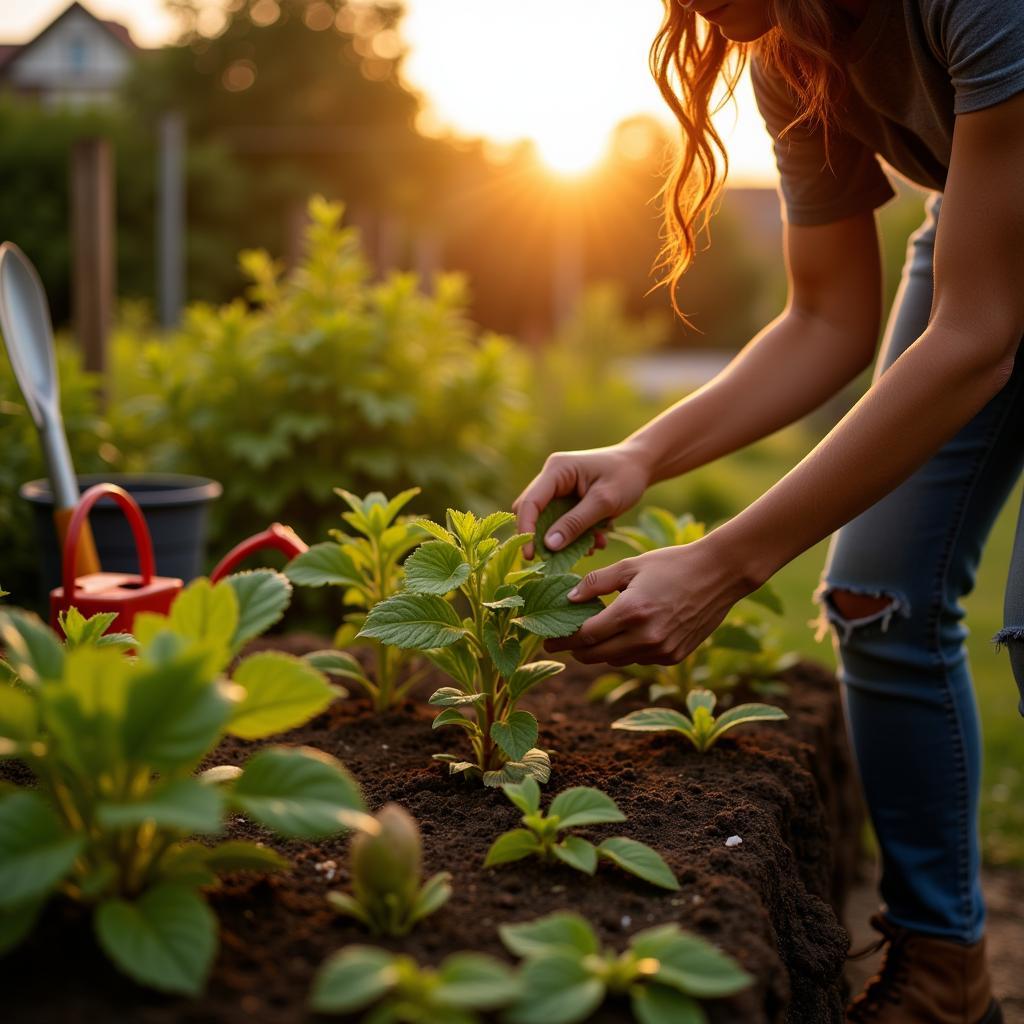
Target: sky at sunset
(561,72)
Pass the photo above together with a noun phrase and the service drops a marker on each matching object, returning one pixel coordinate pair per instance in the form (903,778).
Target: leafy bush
(387,895)
(368,566)
(573,808)
(113,742)
(487,654)
(700,727)
(664,971)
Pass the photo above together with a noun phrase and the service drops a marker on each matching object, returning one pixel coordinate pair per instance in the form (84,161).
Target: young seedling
(367,565)
(542,836)
(80,631)
(114,741)
(700,727)
(401,992)
(741,649)
(387,894)
(486,642)
(664,971)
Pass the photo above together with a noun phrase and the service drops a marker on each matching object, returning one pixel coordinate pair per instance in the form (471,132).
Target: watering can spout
(283,538)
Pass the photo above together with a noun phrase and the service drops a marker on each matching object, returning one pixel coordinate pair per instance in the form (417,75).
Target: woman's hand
(608,481)
(671,599)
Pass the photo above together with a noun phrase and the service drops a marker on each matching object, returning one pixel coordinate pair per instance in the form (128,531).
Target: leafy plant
(742,648)
(114,741)
(700,727)
(387,895)
(664,971)
(573,808)
(402,992)
(486,653)
(367,564)
(80,631)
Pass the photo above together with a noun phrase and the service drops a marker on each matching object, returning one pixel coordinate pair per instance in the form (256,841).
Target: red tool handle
(283,538)
(143,542)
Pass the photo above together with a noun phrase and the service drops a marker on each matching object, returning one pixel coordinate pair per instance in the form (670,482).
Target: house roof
(10,52)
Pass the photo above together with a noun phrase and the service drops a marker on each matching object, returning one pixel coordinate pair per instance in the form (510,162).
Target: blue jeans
(909,698)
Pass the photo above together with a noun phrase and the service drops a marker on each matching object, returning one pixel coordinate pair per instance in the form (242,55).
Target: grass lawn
(738,479)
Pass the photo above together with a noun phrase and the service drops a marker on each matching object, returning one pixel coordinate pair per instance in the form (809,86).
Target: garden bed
(786,791)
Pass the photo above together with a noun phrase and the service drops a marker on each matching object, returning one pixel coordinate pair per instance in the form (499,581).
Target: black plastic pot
(175,507)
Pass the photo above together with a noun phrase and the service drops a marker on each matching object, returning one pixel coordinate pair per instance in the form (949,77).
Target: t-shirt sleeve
(982,44)
(819,184)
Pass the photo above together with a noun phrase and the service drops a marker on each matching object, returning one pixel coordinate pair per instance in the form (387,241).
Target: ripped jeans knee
(851,608)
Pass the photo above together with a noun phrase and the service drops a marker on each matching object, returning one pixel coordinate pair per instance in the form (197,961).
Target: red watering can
(127,594)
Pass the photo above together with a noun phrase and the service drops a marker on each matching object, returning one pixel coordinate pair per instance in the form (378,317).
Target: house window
(79,54)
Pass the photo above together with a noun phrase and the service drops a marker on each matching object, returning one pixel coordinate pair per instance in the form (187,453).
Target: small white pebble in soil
(328,868)
(626,921)
(733,841)
(383,746)
(697,899)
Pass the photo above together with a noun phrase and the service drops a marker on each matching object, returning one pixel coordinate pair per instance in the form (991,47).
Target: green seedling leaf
(516,735)
(336,663)
(558,989)
(512,846)
(431,897)
(526,677)
(458,662)
(640,860)
(654,720)
(547,610)
(490,524)
(533,764)
(166,939)
(352,979)
(263,597)
(19,718)
(436,567)
(184,804)
(32,648)
(505,653)
(563,931)
(525,795)
(452,716)
(417,621)
(241,855)
(583,805)
(472,981)
(323,565)
(281,692)
(659,1004)
(36,852)
(302,793)
(745,713)
(561,561)
(577,853)
(436,531)
(701,699)
(690,964)
(207,615)
(735,637)
(449,697)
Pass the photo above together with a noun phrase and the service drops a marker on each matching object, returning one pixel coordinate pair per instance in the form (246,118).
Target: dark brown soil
(785,790)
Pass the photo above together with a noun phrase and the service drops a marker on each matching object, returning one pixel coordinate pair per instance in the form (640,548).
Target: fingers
(549,483)
(604,581)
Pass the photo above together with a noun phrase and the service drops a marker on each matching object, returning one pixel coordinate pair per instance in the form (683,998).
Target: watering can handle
(283,538)
(143,542)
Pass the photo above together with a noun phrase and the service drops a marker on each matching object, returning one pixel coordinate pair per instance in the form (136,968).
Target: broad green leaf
(701,699)
(80,631)
(657,1004)
(302,793)
(506,654)
(19,716)
(281,692)
(208,615)
(510,846)
(336,663)
(166,939)
(640,860)
(325,564)
(417,621)
(690,964)
(449,697)
(263,597)
(745,713)
(509,601)
(563,930)
(32,648)
(452,716)
(433,895)
(185,864)
(241,855)
(515,735)
(352,979)
(584,805)
(526,677)
(456,661)
(436,567)
(577,853)
(436,530)
(735,637)
(472,981)
(654,720)
(563,560)
(767,597)
(547,610)
(347,905)
(525,795)
(16,922)
(558,989)
(174,714)
(184,804)
(501,563)
(464,526)
(36,852)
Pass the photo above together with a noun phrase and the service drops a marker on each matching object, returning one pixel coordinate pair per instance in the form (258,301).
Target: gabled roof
(10,52)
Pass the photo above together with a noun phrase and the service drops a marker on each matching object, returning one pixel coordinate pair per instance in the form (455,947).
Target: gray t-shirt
(912,65)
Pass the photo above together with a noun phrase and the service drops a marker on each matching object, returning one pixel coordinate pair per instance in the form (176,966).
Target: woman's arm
(825,337)
(964,358)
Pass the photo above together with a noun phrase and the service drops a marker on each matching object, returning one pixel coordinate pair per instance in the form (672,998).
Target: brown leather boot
(925,980)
